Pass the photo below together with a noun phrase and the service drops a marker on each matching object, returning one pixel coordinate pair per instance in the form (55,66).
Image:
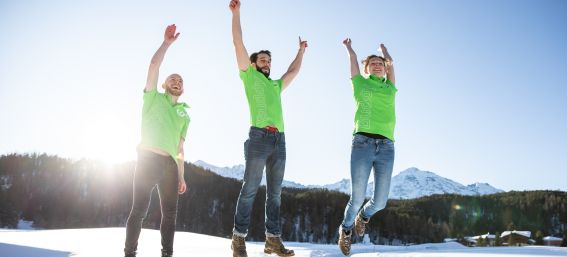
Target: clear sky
(482,84)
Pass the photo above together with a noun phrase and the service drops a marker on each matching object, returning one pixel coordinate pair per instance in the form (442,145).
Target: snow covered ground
(102,242)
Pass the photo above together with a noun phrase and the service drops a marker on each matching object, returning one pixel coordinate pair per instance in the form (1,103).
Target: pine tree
(511,226)
(497,240)
(539,238)
(480,242)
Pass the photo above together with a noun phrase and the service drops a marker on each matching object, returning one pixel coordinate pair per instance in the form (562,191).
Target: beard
(174,92)
(266,73)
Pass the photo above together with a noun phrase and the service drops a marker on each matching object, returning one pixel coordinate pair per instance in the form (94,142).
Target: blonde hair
(366,60)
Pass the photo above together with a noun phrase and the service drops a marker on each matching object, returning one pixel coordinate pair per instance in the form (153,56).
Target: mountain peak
(411,169)
(414,183)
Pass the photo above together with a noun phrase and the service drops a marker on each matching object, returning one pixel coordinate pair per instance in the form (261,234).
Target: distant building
(515,238)
(552,241)
(467,241)
(488,239)
(447,240)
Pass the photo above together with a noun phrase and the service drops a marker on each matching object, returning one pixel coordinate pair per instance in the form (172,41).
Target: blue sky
(481,83)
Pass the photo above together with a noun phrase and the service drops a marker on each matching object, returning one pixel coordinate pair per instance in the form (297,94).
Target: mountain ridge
(409,184)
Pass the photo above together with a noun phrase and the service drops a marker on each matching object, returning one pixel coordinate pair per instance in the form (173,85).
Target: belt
(271,129)
(370,135)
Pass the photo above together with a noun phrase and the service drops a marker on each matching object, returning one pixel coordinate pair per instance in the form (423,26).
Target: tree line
(55,192)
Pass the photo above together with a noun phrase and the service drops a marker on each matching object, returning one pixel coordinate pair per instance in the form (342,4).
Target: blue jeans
(368,153)
(262,149)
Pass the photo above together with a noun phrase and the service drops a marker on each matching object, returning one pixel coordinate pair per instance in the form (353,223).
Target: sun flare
(109,139)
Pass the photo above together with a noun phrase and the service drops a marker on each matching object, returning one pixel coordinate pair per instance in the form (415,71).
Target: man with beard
(160,153)
(265,146)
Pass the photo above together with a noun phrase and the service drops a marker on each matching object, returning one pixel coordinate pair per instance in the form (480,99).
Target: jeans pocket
(359,141)
(255,134)
(389,143)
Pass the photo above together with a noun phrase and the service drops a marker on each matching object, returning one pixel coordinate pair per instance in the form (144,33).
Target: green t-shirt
(375,105)
(163,123)
(264,99)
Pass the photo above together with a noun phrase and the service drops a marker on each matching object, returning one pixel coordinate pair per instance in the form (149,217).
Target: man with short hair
(160,153)
(265,146)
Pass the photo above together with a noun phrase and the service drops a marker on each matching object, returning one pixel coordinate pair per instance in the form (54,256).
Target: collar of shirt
(376,78)
(181,104)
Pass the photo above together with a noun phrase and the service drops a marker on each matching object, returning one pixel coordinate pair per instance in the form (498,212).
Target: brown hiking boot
(360,224)
(274,245)
(345,241)
(238,246)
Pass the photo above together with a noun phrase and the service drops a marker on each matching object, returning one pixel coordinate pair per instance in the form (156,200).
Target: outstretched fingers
(170,35)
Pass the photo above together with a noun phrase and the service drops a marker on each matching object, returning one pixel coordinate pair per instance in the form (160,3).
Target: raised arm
(241,53)
(153,71)
(294,67)
(354,68)
(389,64)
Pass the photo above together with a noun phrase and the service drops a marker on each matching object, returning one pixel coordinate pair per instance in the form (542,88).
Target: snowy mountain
(483,188)
(110,241)
(408,184)
(341,186)
(237,172)
(413,183)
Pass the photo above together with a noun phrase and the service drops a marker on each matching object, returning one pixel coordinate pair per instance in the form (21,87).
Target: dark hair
(254,56)
(366,60)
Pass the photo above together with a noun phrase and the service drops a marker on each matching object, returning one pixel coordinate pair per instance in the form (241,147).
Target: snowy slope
(102,242)
(413,183)
(483,188)
(408,184)
(236,171)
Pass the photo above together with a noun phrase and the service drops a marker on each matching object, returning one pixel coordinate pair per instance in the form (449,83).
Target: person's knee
(274,200)
(374,207)
(138,214)
(356,201)
(248,191)
(275,192)
(169,213)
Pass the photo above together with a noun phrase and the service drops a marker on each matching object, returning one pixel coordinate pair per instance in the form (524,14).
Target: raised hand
(389,64)
(347,42)
(354,69)
(302,44)
(385,52)
(170,36)
(234,5)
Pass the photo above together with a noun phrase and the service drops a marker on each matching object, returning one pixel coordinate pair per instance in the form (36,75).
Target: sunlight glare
(110,140)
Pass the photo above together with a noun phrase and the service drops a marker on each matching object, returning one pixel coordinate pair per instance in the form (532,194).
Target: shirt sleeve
(280,84)
(244,74)
(149,98)
(357,80)
(392,85)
